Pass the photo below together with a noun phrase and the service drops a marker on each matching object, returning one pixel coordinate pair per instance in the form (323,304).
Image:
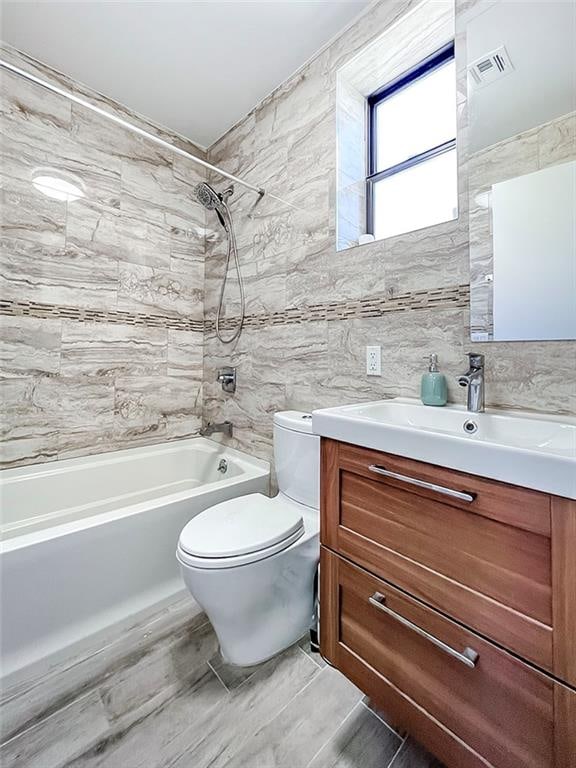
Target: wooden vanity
(450,600)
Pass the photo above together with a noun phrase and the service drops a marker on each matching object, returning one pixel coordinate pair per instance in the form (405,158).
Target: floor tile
(384,716)
(232,675)
(259,699)
(362,740)
(304,644)
(298,732)
(59,738)
(412,755)
(149,743)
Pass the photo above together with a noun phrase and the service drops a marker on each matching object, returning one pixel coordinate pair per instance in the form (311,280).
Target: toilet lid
(241,526)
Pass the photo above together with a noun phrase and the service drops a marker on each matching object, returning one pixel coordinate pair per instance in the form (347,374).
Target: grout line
(334,733)
(381,720)
(404,740)
(310,657)
(220,679)
(313,679)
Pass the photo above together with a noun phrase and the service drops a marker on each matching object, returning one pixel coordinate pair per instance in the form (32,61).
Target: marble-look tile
(29,215)
(536,376)
(60,738)
(295,735)
(35,410)
(143,288)
(362,740)
(557,141)
(65,276)
(100,349)
(427,258)
(169,406)
(185,353)
(92,231)
(505,160)
(29,346)
(412,755)
(406,338)
(143,242)
(28,436)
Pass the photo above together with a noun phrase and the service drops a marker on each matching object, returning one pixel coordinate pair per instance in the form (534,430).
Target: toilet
(250,562)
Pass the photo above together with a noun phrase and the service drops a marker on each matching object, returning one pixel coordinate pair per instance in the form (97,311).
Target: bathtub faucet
(226,427)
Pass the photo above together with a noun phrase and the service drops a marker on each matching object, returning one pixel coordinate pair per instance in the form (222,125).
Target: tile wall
(101,298)
(313,309)
(108,304)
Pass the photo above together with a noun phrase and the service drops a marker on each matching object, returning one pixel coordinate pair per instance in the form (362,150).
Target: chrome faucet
(226,427)
(474,380)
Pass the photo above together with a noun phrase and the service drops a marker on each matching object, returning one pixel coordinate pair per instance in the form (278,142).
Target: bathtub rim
(252,468)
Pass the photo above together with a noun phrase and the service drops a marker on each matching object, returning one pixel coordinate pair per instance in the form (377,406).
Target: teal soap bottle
(433,388)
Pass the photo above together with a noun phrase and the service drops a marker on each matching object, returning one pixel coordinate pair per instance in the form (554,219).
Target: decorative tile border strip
(36,309)
(375,306)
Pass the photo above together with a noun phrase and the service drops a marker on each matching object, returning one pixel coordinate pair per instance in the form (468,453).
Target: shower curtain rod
(125,124)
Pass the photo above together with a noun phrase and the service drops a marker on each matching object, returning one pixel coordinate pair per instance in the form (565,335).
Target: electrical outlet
(373,361)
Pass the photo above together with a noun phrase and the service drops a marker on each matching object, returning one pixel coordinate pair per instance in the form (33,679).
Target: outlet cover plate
(373,361)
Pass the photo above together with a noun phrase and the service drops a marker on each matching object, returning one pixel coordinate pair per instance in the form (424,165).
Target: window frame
(420,70)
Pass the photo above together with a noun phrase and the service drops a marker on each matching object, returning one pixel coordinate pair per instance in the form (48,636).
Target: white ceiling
(194,67)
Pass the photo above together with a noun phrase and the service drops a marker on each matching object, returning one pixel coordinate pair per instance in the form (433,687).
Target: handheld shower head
(213,201)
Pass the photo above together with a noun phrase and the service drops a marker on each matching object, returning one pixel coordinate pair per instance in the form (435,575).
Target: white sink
(524,449)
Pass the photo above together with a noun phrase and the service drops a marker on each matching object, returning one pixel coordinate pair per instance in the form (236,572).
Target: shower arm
(129,126)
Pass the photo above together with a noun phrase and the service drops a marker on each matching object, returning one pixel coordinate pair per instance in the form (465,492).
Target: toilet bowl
(250,562)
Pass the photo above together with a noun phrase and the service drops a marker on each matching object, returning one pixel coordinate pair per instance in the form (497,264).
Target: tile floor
(174,703)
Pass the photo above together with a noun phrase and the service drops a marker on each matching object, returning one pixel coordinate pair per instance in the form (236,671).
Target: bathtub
(89,542)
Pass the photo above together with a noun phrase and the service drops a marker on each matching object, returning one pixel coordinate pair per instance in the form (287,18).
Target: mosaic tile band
(374,306)
(36,309)
(452,296)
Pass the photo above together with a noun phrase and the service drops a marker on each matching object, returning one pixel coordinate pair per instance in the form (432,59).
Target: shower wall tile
(90,288)
(68,276)
(406,293)
(30,346)
(160,406)
(142,288)
(185,354)
(98,349)
(29,215)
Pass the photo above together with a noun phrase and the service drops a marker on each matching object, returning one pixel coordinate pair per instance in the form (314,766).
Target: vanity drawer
(476,549)
(469,701)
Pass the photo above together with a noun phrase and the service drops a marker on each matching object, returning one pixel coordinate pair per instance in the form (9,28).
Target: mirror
(521,60)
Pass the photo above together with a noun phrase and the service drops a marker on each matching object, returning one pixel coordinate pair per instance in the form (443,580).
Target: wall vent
(490,67)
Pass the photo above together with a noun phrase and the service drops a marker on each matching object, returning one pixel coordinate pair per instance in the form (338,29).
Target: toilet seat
(240,531)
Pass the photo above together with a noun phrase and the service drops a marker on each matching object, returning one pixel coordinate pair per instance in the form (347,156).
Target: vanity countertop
(522,448)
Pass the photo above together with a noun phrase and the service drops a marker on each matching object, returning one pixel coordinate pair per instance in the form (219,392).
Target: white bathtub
(89,542)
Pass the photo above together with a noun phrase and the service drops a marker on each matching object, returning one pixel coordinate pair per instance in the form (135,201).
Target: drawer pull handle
(461,495)
(469,657)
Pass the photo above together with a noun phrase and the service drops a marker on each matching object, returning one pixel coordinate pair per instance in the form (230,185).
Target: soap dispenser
(433,389)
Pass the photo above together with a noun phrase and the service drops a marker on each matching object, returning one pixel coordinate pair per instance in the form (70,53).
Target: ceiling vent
(490,67)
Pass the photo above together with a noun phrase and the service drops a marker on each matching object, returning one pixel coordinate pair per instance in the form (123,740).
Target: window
(412,170)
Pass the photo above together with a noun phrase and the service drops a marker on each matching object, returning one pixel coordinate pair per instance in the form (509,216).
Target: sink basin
(513,446)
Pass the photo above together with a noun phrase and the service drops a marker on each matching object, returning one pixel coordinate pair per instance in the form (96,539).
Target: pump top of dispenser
(433,363)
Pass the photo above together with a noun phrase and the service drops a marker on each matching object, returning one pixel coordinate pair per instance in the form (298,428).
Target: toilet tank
(297,457)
